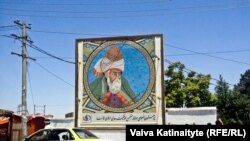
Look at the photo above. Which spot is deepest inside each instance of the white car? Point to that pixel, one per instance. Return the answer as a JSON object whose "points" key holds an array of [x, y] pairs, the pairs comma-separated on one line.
{"points": [[61, 134]]}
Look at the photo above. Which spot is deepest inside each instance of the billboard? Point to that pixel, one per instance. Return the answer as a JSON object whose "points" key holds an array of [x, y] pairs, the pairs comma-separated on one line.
{"points": [[119, 81]]}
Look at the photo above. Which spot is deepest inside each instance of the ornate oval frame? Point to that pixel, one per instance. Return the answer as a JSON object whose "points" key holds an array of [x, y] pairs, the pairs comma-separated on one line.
{"points": [[150, 84]]}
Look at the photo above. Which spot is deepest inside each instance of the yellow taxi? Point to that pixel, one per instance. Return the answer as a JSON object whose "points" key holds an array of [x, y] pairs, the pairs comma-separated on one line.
{"points": [[61, 134]]}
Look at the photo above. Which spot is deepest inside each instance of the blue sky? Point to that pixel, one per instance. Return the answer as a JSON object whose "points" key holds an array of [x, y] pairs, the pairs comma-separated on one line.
{"points": [[217, 28]]}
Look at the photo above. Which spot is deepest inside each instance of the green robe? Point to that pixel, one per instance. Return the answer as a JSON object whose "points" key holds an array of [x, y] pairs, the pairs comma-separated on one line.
{"points": [[99, 89]]}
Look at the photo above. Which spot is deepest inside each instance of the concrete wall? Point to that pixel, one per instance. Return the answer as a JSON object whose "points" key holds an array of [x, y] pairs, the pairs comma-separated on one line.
{"points": [[197, 115], [114, 135], [68, 122], [176, 116]]}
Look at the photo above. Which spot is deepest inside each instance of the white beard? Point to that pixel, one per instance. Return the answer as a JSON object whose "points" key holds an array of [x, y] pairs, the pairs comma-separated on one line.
{"points": [[115, 86]]}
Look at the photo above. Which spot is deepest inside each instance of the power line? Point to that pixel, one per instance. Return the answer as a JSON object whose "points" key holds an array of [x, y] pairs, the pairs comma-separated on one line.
{"points": [[211, 77], [39, 49], [88, 4], [69, 33], [195, 52], [51, 55], [40, 57], [53, 74], [186, 70], [6, 29], [30, 85], [77, 33], [7, 36], [218, 52], [213, 8], [61, 105], [86, 12], [77, 17], [8, 26], [189, 70], [169, 45], [123, 3], [110, 16]]}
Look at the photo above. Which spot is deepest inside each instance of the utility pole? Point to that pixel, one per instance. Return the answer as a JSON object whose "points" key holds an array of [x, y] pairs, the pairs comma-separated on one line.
{"points": [[44, 110], [34, 109], [24, 39], [19, 109], [24, 70], [37, 106]]}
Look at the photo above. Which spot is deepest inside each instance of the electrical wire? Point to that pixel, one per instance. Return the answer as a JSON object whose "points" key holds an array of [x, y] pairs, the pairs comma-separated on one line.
{"points": [[218, 52], [205, 54], [186, 70], [78, 17], [8, 26], [6, 29], [51, 55], [7, 36], [189, 70], [40, 50], [31, 91], [69, 33], [88, 4], [169, 45], [84, 12], [243, 4], [41, 57], [61, 105], [238, 3], [53, 74]]}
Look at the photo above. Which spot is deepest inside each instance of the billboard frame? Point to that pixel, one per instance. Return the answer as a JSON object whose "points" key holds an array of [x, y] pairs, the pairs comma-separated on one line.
{"points": [[158, 56]]}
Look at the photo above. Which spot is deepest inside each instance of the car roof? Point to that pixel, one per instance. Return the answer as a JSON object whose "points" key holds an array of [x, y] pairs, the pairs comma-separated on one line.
{"points": [[56, 128], [64, 128]]}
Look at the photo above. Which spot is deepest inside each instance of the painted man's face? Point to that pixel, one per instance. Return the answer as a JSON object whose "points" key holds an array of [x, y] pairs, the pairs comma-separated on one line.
{"points": [[114, 74]]}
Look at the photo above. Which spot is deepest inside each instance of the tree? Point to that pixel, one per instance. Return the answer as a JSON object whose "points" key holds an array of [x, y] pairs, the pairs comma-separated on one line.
{"points": [[243, 97], [233, 107], [225, 96], [244, 84], [174, 91], [196, 88], [187, 91]]}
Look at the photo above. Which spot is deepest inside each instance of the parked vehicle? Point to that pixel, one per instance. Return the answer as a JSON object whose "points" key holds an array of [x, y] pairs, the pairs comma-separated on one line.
{"points": [[60, 134]]}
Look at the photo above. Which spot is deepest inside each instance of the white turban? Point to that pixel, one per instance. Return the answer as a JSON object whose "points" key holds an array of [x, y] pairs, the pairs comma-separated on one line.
{"points": [[104, 64]]}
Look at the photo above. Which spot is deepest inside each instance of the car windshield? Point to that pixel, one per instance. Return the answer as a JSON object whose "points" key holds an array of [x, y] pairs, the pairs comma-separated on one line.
{"points": [[84, 134]]}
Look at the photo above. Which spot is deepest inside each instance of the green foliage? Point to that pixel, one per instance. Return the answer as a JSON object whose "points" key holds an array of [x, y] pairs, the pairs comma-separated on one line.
{"points": [[233, 106], [225, 96], [187, 91], [244, 84]]}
